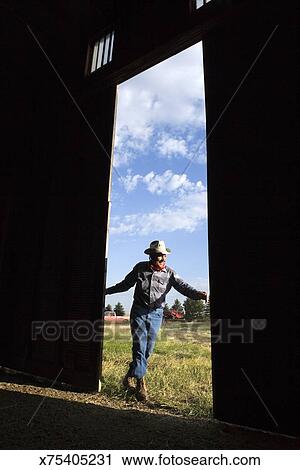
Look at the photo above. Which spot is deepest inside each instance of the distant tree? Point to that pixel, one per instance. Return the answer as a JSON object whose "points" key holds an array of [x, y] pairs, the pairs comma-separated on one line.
{"points": [[119, 310], [166, 308], [166, 313], [177, 306], [193, 309], [108, 308], [206, 310]]}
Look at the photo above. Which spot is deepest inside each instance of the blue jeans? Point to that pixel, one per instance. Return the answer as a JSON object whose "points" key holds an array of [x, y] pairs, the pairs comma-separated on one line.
{"points": [[144, 324]]}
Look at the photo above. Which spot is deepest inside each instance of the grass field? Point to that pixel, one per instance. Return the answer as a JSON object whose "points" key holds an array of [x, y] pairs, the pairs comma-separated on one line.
{"points": [[179, 373]]}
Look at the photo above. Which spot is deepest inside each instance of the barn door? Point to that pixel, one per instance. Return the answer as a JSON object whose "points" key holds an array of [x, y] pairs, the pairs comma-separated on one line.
{"points": [[54, 207], [72, 274]]}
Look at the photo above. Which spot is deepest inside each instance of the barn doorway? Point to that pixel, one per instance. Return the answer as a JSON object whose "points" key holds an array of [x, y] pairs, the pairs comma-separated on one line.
{"points": [[158, 191]]}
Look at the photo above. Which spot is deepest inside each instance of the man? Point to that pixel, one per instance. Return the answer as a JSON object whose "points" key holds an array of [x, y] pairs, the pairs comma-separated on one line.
{"points": [[153, 281]]}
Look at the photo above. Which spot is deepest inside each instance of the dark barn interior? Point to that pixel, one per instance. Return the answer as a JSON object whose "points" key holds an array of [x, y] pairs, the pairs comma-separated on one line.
{"points": [[57, 123]]}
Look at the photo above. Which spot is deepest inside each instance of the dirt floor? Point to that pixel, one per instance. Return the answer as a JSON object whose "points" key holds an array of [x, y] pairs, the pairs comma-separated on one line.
{"points": [[38, 417]]}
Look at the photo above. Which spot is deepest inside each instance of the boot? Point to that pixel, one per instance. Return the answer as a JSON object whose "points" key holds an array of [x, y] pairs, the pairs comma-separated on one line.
{"points": [[141, 390], [128, 381]]}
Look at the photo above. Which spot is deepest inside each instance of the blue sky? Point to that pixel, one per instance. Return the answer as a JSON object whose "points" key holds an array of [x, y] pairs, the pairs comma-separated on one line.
{"points": [[160, 126]]}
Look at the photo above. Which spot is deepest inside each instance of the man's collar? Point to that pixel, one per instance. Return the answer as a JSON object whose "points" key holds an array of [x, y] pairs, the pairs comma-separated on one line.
{"points": [[164, 270]]}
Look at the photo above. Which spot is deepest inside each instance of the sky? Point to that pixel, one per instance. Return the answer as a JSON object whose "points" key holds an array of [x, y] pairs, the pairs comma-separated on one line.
{"points": [[159, 176]]}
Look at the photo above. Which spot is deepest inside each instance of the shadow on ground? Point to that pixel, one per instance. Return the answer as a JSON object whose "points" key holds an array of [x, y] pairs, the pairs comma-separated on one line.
{"points": [[68, 420]]}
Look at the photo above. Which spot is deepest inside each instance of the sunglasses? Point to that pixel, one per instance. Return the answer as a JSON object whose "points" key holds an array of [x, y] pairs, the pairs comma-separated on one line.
{"points": [[159, 257]]}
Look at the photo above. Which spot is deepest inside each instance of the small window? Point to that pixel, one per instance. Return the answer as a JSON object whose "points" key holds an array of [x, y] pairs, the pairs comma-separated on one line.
{"points": [[102, 51], [200, 3]]}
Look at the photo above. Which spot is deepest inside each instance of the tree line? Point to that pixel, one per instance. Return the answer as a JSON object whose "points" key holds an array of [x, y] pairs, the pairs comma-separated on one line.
{"points": [[118, 309], [190, 309]]}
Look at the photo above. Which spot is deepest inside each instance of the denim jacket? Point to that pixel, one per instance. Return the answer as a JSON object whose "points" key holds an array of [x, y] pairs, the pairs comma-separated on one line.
{"points": [[152, 286]]}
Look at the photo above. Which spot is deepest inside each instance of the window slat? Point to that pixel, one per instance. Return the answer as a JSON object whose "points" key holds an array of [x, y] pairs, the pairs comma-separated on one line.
{"points": [[200, 3], [106, 49], [100, 54], [111, 46], [95, 54]]}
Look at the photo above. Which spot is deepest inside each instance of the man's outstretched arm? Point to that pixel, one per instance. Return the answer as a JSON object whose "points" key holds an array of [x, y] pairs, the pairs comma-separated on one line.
{"points": [[185, 289], [124, 285]]}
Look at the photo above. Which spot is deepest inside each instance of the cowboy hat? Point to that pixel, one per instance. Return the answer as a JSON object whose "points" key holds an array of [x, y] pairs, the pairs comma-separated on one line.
{"points": [[157, 246]]}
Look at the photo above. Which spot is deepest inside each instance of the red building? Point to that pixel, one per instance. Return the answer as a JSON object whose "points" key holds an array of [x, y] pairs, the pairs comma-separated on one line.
{"points": [[173, 315]]}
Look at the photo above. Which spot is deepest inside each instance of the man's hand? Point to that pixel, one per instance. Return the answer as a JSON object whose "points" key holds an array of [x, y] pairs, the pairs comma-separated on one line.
{"points": [[202, 295]]}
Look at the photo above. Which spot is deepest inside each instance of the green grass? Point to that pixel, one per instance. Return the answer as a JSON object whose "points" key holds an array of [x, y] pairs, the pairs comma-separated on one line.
{"points": [[179, 372]]}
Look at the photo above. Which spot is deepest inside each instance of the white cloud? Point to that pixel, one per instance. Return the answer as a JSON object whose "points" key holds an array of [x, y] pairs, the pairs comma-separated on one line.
{"points": [[130, 182], [157, 98], [169, 146], [168, 182], [164, 183], [130, 141], [186, 213]]}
